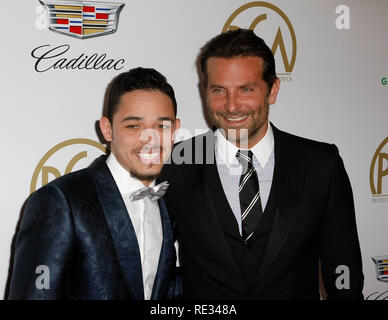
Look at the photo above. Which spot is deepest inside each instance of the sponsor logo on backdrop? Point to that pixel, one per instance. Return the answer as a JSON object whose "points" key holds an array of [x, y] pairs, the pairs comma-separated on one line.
{"points": [[55, 58], [384, 81], [377, 296], [378, 174], [272, 24], [381, 263], [381, 267], [65, 157], [82, 19]]}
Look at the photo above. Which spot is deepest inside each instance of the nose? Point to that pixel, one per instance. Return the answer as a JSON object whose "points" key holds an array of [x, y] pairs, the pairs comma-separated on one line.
{"points": [[231, 105], [150, 137]]}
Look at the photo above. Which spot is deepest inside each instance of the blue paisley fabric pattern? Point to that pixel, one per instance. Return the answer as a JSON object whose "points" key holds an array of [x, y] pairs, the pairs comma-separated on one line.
{"points": [[79, 228]]}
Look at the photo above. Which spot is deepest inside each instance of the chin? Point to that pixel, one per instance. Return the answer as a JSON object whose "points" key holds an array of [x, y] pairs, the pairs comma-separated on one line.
{"points": [[150, 170], [145, 175], [235, 134]]}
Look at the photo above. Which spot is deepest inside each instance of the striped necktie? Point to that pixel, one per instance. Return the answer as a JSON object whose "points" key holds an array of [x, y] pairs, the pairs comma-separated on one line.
{"points": [[249, 193]]}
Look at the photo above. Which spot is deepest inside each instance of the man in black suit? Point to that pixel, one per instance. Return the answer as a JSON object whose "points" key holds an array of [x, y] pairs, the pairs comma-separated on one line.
{"points": [[257, 208], [104, 232]]}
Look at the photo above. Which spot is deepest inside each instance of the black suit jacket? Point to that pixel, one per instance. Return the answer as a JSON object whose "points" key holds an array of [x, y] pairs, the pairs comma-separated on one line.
{"points": [[314, 220], [78, 226]]}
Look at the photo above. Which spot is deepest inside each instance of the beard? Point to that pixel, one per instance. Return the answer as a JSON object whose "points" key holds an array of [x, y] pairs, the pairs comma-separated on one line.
{"points": [[143, 177], [242, 136], [135, 172]]}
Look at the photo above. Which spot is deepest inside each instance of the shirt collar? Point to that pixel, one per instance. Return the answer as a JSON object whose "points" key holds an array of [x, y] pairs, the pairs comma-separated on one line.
{"points": [[124, 181], [261, 150]]}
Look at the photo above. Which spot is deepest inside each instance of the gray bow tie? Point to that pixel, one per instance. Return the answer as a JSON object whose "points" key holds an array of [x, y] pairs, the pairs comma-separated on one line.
{"points": [[154, 193]]}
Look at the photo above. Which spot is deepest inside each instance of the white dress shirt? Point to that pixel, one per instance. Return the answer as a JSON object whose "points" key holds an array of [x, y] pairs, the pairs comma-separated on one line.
{"points": [[229, 169], [145, 217]]}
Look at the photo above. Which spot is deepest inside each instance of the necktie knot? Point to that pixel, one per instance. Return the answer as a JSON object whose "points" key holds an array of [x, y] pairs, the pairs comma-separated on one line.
{"points": [[154, 193], [245, 157]]}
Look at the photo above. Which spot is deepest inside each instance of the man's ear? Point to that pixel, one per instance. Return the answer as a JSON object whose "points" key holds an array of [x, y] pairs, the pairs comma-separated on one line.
{"points": [[274, 91], [176, 128], [106, 128], [177, 124]]}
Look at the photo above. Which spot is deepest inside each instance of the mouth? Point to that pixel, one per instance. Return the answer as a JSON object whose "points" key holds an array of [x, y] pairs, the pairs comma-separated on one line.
{"points": [[235, 120], [149, 158]]}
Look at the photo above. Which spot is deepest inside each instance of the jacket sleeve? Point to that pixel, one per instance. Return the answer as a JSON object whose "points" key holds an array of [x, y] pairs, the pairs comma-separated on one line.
{"points": [[340, 253], [177, 286], [43, 247]]}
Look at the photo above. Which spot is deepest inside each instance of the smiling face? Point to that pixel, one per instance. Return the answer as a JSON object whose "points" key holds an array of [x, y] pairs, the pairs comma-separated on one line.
{"points": [[238, 99], [142, 132]]}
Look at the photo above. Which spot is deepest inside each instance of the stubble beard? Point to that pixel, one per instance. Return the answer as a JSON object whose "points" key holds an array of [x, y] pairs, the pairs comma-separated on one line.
{"points": [[132, 168], [242, 136], [134, 172], [142, 177]]}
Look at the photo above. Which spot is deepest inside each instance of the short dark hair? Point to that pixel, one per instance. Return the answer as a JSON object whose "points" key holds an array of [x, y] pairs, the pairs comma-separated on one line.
{"points": [[239, 43], [136, 79]]}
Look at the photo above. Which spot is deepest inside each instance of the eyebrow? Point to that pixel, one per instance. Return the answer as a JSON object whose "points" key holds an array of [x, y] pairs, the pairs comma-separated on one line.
{"points": [[215, 86], [166, 119], [134, 118], [248, 84], [240, 86], [131, 118]]}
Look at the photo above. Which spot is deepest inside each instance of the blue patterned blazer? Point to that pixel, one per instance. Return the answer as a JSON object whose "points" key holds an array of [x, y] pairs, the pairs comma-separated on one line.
{"points": [[78, 226]]}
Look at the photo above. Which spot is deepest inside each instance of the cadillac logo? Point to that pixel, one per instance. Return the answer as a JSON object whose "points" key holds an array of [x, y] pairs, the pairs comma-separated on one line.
{"points": [[82, 19], [381, 267]]}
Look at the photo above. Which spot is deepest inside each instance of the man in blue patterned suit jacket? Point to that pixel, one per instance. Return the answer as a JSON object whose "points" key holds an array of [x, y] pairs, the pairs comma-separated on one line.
{"points": [[104, 232]]}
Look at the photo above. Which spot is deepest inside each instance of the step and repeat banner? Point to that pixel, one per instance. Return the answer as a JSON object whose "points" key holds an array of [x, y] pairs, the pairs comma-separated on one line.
{"points": [[57, 58]]}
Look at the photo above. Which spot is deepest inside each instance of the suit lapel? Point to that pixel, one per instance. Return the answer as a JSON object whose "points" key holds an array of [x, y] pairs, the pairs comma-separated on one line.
{"points": [[167, 256], [289, 182], [219, 216], [120, 225]]}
